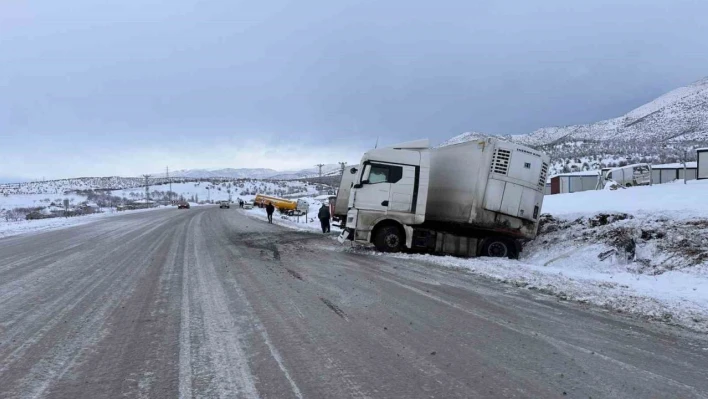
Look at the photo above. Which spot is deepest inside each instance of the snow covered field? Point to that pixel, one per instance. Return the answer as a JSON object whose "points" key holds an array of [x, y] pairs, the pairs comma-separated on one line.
{"points": [[672, 199], [8, 229], [202, 191], [190, 191], [35, 200]]}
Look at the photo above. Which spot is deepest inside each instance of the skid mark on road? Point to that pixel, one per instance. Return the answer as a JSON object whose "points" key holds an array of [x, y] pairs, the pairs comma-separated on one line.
{"points": [[294, 273], [334, 308]]}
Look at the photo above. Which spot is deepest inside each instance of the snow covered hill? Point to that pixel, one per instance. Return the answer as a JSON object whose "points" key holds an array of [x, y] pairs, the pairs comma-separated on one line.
{"points": [[79, 183], [679, 115], [195, 176], [243, 173], [327, 170], [656, 132], [196, 191], [251, 173]]}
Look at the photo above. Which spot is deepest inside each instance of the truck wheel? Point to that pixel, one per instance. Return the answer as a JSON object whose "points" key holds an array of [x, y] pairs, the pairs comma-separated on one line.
{"points": [[628, 185], [497, 248], [388, 239]]}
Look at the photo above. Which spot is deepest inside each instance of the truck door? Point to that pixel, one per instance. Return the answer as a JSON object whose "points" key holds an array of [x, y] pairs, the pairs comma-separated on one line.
{"points": [[387, 187], [373, 191], [403, 186]]}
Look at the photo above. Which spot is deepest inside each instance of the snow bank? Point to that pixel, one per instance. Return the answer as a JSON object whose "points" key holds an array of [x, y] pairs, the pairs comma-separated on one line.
{"points": [[676, 200], [642, 250]]}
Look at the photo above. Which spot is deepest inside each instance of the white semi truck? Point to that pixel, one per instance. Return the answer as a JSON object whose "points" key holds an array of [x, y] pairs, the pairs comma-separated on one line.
{"points": [[478, 198]]}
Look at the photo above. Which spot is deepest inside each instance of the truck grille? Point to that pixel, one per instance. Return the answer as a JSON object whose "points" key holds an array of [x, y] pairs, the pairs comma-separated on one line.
{"points": [[500, 161], [544, 174]]}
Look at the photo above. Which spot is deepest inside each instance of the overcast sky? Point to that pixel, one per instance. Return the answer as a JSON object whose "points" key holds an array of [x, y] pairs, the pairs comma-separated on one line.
{"points": [[118, 87]]}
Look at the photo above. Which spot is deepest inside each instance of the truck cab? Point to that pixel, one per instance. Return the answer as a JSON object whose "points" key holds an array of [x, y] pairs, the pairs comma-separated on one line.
{"points": [[389, 191]]}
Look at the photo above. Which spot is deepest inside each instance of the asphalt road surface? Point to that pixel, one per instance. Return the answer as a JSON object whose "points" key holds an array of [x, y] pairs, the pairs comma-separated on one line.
{"points": [[209, 303]]}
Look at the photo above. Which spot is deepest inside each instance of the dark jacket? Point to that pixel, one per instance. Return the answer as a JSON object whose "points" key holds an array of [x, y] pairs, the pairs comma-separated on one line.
{"points": [[270, 208], [324, 213]]}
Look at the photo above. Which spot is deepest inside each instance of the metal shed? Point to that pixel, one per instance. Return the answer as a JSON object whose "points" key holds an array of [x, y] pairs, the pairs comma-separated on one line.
{"points": [[669, 172], [574, 182], [702, 163]]}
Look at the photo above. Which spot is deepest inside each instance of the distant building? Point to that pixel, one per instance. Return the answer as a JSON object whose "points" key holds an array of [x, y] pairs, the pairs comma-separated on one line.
{"points": [[574, 182], [666, 173], [702, 163]]}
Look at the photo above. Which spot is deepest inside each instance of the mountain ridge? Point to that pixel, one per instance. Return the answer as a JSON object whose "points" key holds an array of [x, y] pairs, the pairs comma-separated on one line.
{"points": [[252, 173], [658, 131], [678, 115]]}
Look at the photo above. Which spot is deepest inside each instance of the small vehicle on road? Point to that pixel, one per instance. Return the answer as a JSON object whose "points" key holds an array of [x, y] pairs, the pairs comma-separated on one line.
{"points": [[224, 204], [248, 205], [183, 205]]}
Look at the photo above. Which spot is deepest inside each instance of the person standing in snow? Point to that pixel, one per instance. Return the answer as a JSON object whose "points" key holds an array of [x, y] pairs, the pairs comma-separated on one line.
{"points": [[269, 210], [324, 216]]}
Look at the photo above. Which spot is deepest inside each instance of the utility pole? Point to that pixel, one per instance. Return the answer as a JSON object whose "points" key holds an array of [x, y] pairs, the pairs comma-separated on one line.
{"points": [[169, 194], [685, 155], [320, 165], [342, 165], [147, 189]]}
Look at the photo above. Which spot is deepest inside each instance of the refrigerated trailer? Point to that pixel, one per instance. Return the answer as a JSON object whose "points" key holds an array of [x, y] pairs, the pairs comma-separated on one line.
{"points": [[475, 198]]}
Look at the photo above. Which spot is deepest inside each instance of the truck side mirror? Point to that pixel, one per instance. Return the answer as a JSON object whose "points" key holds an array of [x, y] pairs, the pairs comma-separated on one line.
{"points": [[353, 170]]}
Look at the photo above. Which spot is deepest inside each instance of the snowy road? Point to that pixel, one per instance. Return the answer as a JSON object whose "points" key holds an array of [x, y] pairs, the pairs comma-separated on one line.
{"points": [[210, 303]]}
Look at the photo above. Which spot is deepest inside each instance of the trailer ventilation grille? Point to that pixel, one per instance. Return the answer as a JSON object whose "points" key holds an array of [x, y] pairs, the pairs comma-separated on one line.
{"points": [[500, 162], [544, 174]]}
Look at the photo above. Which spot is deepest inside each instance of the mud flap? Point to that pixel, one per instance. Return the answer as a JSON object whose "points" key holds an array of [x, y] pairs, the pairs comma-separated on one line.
{"points": [[409, 236], [343, 236]]}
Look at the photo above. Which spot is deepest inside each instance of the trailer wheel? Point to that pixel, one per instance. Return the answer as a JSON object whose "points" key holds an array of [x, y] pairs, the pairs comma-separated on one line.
{"points": [[498, 248], [628, 185], [388, 239]]}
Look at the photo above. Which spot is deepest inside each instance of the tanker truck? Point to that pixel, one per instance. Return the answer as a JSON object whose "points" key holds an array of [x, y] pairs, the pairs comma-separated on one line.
{"points": [[478, 198], [289, 207]]}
